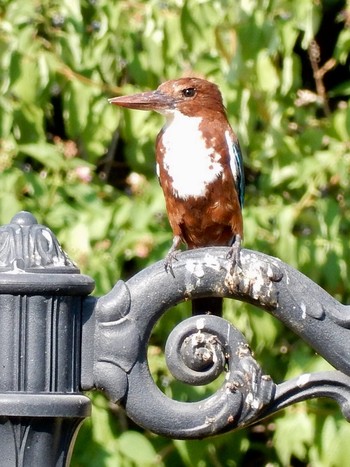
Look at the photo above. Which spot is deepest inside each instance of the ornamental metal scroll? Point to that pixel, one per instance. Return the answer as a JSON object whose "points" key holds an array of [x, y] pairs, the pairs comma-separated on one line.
{"points": [[202, 347]]}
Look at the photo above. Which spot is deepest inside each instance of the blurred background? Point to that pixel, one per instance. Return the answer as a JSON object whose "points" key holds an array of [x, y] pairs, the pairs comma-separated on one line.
{"points": [[87, 170]]}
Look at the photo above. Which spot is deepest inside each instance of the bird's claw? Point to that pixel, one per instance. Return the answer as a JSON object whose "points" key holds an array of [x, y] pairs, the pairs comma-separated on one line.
{"points": [[168, 262], [234, 254], [171, 256]]}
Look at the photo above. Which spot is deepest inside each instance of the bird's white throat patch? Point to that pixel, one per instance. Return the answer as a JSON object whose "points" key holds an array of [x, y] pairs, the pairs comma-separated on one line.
{"points": [[189, 162]]}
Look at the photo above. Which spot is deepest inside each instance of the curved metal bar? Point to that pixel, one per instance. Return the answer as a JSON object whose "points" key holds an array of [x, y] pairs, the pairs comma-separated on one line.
{"points": [[244, 392], [262, 280], [207, 345], [332, 384]]}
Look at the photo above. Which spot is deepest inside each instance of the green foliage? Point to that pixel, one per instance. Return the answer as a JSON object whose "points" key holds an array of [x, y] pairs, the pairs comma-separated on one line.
{"points": [[87, 170]]}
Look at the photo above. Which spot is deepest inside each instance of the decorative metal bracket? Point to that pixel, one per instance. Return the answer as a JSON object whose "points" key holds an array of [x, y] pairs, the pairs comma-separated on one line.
{"points": [[202, 347], [56, 340]]}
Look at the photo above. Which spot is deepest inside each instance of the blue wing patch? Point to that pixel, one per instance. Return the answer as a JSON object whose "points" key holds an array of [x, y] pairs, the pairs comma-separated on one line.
{"points": [[236, 164], [239, 179]]}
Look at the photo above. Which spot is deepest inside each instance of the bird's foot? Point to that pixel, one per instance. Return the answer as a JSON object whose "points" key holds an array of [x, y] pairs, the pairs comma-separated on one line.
{"points": [[234, 253], [168, 262], [171, 256]]}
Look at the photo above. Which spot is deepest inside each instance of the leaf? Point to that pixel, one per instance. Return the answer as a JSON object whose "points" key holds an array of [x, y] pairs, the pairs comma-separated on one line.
{"points": [[341, 119], [9, 203], [137, 448], [294, 433], [343, 46], [45, 153], [307, 17], [79, 242], [28, 123], [268, 79], [77, 102]]}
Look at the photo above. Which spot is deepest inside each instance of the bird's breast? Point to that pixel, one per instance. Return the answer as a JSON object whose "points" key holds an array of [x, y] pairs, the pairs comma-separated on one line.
{"points": [[190, 162]]}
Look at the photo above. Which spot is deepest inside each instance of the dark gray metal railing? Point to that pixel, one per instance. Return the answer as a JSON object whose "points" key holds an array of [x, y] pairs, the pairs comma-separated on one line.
{"points": [[56, 341]]}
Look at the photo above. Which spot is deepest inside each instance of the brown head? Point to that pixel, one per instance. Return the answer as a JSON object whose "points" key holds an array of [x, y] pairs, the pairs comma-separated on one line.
{"points": [[190, 96]]}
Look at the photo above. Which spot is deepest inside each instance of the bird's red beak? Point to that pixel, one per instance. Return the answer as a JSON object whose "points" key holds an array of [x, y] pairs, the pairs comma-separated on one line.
{"points": [[153, 100]]}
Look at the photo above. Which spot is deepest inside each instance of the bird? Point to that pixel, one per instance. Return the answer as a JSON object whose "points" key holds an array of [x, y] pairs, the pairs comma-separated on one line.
{"points": [[200, 169]]}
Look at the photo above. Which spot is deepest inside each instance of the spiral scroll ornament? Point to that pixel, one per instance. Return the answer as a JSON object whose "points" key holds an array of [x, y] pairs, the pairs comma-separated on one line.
{"points": [[199, 349]]}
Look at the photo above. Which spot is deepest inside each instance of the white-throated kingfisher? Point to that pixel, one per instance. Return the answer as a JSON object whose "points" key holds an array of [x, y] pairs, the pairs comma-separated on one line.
{"points": [[199, 165]]}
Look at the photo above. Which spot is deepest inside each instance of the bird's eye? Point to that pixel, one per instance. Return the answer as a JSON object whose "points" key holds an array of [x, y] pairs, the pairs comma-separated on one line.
{"points": [[188, 92]]}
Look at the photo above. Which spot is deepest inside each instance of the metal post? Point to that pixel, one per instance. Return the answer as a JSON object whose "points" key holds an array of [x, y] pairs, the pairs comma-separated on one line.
{"points": [[41, 297]]}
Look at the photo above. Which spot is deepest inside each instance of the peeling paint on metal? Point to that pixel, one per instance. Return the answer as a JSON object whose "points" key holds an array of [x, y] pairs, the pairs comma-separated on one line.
{"points": [[200, 323], [287, 277], [212, 262], [303, 380], [303, 309], [195, 268]]}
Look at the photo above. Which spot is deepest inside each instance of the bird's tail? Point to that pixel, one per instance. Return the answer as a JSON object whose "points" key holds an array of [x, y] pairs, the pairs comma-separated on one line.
{"points": [[207, 305]]}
